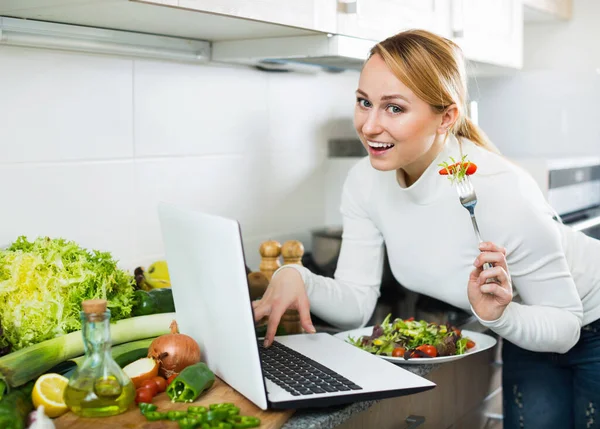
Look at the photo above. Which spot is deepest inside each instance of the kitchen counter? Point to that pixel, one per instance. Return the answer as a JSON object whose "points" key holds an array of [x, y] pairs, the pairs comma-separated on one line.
{"points": [[331, 417]]}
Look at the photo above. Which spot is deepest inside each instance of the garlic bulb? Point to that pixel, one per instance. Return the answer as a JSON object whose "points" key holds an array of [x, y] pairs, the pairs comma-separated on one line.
{"points": [[39, 420]]}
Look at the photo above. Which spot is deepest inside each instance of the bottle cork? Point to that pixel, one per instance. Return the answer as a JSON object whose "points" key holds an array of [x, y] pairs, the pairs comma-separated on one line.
{"points": [[92, 306]]}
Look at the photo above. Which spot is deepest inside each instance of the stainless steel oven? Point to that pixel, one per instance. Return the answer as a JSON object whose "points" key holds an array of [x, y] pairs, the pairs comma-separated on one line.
{"points": [[574, 192]]}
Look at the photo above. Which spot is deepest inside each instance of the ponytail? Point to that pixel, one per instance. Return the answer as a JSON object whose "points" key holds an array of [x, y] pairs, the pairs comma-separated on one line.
{"points": [[465, 128]]}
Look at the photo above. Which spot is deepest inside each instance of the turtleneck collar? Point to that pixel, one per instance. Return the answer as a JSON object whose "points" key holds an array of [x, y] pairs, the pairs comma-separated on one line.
{"points": [[429, 186]]}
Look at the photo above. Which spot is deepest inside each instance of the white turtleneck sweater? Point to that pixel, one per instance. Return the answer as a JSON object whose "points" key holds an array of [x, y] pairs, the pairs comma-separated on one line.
{"points": [[432, 246]]}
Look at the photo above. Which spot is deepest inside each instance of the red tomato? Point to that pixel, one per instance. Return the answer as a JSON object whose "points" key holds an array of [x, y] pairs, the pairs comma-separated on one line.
{"points": [[161, 383], [470, 344], [171, 378], [410, 319], [428, 350], [398, 352], [457, 331], [471, 169], [143, 395], [150, 385]]}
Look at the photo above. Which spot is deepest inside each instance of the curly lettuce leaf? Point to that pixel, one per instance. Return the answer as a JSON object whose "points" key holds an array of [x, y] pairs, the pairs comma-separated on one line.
{"points": [[43, 283]]}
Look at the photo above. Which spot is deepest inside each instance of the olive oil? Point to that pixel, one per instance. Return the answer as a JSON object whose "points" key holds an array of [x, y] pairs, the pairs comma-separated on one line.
{"points": [[98, 387]]}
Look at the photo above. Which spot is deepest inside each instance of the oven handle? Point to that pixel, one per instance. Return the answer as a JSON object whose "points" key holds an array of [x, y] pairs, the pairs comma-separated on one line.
{"points": [[586, 224]]}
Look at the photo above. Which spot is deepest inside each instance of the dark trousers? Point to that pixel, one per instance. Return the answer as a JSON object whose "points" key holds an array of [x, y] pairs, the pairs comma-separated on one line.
{"points": [[551, 390]]}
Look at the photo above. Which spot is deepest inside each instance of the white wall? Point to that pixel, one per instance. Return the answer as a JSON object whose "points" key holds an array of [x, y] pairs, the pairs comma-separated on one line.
{"points": [[89, 145], [551, 107]]}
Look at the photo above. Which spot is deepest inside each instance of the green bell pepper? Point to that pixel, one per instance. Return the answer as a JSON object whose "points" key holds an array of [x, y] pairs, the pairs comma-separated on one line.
{"points": [[190, 383], [154, 302], [15, 407]]}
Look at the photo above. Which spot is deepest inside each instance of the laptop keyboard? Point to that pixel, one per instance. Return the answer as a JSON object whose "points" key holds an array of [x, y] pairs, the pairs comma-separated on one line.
{"points": [[298, 374]]}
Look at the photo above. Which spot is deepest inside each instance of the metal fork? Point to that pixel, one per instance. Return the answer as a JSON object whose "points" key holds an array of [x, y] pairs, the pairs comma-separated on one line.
{"points": [[468, 199]]}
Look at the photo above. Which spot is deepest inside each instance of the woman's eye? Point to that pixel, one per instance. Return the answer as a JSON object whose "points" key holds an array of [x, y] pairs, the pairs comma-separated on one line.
{"points": [[395, 109], [363, 102]]}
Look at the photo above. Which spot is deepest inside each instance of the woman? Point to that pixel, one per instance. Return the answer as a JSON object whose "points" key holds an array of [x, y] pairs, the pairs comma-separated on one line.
{"points": [[410, 115]]}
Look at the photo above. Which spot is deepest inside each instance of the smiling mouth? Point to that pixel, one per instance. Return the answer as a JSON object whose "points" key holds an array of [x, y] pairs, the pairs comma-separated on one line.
{"points": [[379, 147]]}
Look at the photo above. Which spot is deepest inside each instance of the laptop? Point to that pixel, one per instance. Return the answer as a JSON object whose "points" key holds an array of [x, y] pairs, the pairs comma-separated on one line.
{"points": [[212, 300]]}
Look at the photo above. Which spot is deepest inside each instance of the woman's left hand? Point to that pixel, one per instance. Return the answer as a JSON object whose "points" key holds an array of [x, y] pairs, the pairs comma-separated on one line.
{"points": [[490, 299]]}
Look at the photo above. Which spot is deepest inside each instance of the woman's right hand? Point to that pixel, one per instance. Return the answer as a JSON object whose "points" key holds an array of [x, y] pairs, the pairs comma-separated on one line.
{"points": [[285, 291]]}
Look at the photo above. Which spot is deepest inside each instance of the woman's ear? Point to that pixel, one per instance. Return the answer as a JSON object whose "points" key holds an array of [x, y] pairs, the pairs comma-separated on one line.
{"points": [[449, 117]]}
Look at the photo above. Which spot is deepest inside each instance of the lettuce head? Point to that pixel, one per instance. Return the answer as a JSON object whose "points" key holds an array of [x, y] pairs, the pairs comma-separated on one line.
{"points": [[43, 283]]}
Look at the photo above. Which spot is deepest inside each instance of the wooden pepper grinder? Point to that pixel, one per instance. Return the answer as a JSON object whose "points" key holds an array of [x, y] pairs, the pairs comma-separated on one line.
{"points": [[292, 251], [270, 251]]}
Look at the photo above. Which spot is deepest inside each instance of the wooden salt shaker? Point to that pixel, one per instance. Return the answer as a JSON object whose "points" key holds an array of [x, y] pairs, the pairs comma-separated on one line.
{"points": [[270, 251], [292, 252]]}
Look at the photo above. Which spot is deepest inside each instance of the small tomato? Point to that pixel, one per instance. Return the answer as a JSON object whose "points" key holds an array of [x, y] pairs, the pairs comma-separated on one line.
{"points": [[161, 383], [429, 350], [398, 352], [150, 385], [143, 395]]}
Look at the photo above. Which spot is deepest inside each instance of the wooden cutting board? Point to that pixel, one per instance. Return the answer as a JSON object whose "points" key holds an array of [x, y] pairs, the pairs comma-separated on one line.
{"points": [[133, 419]]}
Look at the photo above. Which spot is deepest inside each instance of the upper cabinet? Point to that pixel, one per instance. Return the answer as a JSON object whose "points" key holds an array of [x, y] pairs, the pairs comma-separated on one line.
{"points": [[336, 31], [318, 15], [379, 19], [489, 31], [548, 10]]}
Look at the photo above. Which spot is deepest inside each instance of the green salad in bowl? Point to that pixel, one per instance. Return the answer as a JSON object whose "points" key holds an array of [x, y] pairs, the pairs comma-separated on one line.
{"points": [[409, 338]]}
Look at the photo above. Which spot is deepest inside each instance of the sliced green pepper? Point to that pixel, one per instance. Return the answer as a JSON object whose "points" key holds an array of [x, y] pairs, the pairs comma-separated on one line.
{"points": [[154, 416], [197, 409], [201, 417], [176, 415], [221, 406], [222, 425], [188, 423], [243, 422], [216, 415], [145, 407], [190, 383]]}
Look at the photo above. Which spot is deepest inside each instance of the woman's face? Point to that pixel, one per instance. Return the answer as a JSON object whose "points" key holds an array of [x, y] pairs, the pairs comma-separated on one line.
{"points": [[397, 128]]}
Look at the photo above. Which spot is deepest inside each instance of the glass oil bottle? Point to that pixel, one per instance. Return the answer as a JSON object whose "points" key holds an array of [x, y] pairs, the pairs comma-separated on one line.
{"points": [[98, 387]]}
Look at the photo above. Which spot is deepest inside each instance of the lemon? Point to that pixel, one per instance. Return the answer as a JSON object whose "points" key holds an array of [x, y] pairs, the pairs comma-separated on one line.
{"points": [[48, 391]]}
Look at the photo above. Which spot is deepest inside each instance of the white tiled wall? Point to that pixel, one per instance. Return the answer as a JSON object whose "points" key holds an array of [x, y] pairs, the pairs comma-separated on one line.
{"points": [[550, 109], [90, 144]]}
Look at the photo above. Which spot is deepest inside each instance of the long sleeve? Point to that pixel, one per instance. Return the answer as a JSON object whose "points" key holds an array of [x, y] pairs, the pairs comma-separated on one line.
{"points": [[550, 316], [348, 300]]}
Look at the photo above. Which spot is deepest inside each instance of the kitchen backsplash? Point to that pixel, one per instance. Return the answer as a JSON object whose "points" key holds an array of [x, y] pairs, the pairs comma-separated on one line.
{"points": [[550, 108], [90, 144]]}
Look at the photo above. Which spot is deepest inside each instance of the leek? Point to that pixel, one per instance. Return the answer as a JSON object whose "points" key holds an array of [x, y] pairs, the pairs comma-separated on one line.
{"points": [[19, 367]]}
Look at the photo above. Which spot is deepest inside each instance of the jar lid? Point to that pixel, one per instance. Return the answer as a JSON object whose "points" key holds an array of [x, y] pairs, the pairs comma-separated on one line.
{"points": [[94, 306]]}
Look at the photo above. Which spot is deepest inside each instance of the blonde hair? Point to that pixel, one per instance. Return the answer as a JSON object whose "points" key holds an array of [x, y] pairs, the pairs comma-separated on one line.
{"points": [[433, 67]]}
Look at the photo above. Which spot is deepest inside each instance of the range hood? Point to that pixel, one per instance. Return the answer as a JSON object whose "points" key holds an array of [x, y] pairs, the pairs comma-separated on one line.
{"points": [[327, 51]]}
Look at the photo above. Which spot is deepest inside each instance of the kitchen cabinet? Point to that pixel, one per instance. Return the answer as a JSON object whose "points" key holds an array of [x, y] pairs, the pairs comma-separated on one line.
{"points": [[209, 20], [547, 10], [489, 31], [318, 15], [379, 19]]}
